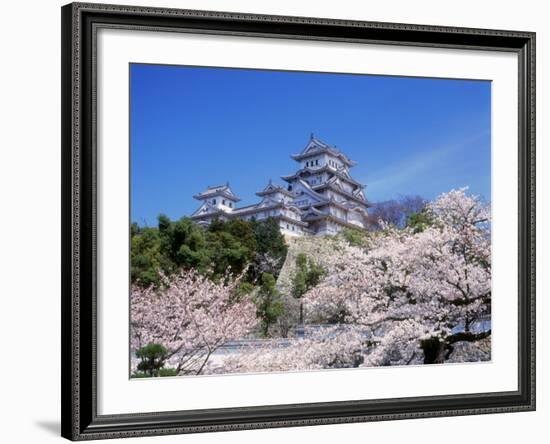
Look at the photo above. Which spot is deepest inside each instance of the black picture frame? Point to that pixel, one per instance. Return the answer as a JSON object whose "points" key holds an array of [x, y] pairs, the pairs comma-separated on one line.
{"points": [[79, 205]]}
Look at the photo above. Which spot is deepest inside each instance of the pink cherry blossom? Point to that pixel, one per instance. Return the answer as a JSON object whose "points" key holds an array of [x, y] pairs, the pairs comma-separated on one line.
{"points": [[407, 286], [379, 303], [191, 317]]}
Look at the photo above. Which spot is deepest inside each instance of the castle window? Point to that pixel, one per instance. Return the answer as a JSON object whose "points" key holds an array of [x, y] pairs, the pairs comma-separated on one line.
{"points": [[214, 201], [223, 201], [230, 204], [316, 161]]}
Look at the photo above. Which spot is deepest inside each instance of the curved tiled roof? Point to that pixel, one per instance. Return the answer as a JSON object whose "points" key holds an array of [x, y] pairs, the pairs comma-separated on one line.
{"points": [[316, 146], [217, 190]]}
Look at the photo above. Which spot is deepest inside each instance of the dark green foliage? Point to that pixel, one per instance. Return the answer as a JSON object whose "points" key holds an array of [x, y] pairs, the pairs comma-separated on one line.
{"points": [[153, 357], [223, 247], [419, 221], [269, 238], [307, 275], [244, 289], [299, 286], [244, 232], [183, 243], [268, 303], [168, 372], [271, 249], [230, 246], [146, 256], [354, 237]]}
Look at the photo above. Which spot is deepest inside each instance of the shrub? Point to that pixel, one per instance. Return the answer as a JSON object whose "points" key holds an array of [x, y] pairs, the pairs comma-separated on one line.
{"points": [[153, 357]]}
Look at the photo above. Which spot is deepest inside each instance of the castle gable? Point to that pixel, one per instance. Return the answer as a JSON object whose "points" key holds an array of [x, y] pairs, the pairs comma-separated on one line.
{"points": [[207, 212], [268, 202], [304, 195]]}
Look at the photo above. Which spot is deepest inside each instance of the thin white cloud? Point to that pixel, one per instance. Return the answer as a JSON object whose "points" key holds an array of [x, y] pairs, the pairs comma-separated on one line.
{"points": [[415, 167]]}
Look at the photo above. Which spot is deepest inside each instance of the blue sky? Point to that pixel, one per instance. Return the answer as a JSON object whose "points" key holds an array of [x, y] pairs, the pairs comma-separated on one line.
{"points": [[193, 127]]}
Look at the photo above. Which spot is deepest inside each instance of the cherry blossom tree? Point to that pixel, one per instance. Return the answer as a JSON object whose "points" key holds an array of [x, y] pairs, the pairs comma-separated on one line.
{"points": [[416, 293], [191, 316], [404, 296], [338, 346]]}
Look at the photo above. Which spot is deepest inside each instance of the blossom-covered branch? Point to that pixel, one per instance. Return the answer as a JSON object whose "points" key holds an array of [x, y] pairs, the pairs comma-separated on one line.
{"points": [[191, 316], [407, 287]]}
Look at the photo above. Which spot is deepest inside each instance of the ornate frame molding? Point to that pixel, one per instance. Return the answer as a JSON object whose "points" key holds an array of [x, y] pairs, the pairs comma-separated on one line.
{"points": [[80, 22]]}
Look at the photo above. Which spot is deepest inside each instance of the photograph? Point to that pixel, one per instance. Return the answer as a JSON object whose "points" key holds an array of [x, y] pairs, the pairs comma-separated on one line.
{"points": [[285, 221]]}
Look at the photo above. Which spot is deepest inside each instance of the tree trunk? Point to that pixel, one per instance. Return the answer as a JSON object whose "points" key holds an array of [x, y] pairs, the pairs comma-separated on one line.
{"points": [[437, 351], [434, 351]]}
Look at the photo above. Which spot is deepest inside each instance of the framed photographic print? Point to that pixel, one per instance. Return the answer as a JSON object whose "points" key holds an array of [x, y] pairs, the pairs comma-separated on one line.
{"points": [[278, 221]]}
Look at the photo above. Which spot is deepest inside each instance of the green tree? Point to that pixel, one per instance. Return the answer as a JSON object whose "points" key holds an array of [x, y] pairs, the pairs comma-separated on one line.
{"points": [[223, 247], [244, 232], [419, 221], [244, 289], [268, 303], [354, 237], [269, 237], [307, 275], [183, 242], [230, 246], [271, 249], [152, 359], [146, 256]]}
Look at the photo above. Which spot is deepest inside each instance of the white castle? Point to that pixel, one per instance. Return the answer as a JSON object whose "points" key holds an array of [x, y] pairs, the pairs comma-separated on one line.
{"points": [[320, 198]]}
